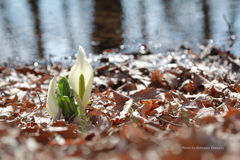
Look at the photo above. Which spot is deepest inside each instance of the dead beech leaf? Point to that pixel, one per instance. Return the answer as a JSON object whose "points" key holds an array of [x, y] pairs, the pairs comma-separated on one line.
{"points": [[238, 87], [67, 131], [195, 104], [153, 110], [212, 91], [71, 132], [26, 70], [199, 80], [13, 121], [14, 91], [2, 68], [116, 121], [188, 86], [189, 113], [142, 110], [105, 144], [59, 123], [38, 133], [46, 77], [103, 99], [171, 79], [136, 136], [29, 104], [222, 108], [126, 108], [129, 86], [3, 83], [102, 70], [233, 113], [150, 128], [2, 101], [120, 100], [166, 120], [94, 113], [220, 87], [103, 123], [6, 112], [40, 120], [205, 112], [207, 101], [12, 99], [207, 120], [157, 80], [149, 93]]}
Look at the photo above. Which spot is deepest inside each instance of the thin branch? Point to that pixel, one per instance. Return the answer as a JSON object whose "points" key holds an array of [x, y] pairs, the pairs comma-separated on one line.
{"points": [[178, 125], [71, 117], [231, 34], [40, 114], [229, 25]]}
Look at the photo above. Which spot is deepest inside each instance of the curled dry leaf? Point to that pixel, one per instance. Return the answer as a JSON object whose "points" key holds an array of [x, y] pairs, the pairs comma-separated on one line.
{"points": [[6, 112]]}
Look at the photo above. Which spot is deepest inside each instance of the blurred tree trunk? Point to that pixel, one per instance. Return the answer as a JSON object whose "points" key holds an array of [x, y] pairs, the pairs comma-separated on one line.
{"points": [[107, 31]]}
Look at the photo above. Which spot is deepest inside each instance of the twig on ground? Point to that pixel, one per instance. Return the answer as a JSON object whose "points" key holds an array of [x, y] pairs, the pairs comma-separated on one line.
{"points": [[71, 117], [178, 125], [40, 114]]}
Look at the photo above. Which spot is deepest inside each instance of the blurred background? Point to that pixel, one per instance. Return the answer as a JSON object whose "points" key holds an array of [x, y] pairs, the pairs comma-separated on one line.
{"points": [[37, 29]]}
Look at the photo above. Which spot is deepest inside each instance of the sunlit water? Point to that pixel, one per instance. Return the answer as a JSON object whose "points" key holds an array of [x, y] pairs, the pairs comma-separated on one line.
{"points": [[36, 29]]}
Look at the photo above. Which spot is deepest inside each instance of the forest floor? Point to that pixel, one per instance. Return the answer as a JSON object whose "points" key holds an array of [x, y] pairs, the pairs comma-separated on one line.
{"points": [[174, 105]]}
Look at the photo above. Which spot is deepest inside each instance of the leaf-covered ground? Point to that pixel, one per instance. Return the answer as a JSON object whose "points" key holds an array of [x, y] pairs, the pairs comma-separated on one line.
{"points": [[174, 105]]}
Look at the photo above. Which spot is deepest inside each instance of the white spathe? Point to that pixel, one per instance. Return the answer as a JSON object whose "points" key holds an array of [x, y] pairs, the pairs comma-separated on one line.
{"points": [[52, 106], [81, 66]]}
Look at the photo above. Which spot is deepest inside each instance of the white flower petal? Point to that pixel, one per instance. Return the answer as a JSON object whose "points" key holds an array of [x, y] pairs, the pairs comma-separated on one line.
{"points": [[52, 106], [79, 101], [86, 95], [81, 66], [88, 90]]}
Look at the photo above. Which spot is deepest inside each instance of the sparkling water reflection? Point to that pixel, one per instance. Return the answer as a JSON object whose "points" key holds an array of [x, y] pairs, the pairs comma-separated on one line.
{"points": [[33, 29]]}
